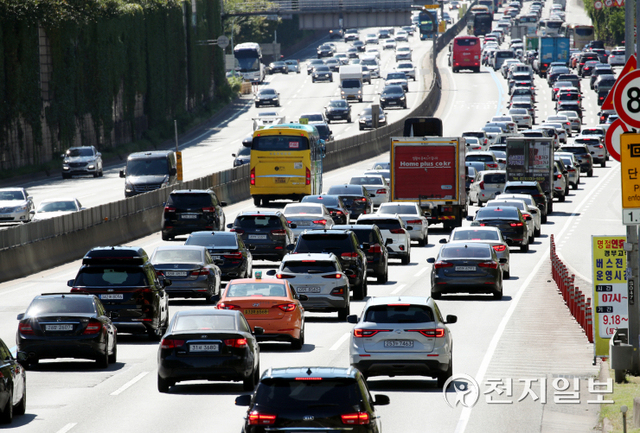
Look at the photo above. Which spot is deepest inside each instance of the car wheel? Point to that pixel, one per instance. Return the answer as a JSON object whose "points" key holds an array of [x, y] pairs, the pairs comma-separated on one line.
{"points": [[21, 407], [524, 248], [257, 105], [603, 163], [256, 201], [590, 173], [382, 279], [361, 128], [313, 80], [298, 342], [349, 119], [344, 312], [506, 274], [358, 292], [497, 295], [166, 237], [531, 238], [536, 232], [575, 186], [566, 190], [66, 176], [406, 259], [562, 198], [249, 383], [421, 242], [96, 174], [7, 414], [443, 377], [436, 295], [544, 219], [114, 355], [102, 360], [163, 384], [154, 334], [212, 298], [101, 173]]}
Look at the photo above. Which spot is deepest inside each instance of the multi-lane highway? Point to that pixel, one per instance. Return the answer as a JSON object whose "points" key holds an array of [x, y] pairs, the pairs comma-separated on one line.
{"points": [[527, 335]]}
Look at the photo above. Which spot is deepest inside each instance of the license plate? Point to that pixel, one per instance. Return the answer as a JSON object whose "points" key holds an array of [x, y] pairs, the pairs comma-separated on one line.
{"points": [[398, 343], [118, 296], [304, 223], [216, 257], [58, 327], [392, 102], [175, 274], [204, 348], [308, 289], [256, 311], [281, 180], [257, 236], [189, 216], [465, 268]]}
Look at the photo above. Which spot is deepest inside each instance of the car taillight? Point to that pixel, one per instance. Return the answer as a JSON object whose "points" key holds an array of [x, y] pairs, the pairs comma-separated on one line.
{"points": [[226, 306], [234, 256], [335, 276], [169, 209], [490, 265], [235, 342], [481, 184], [499, 248], [357, 418], [308, 178], [323, 222], [208, 209], [171, 343], [492, 165], [439, 265], [256, 418], [287, 308], [600, 146], [361, 333], [284, 276], [349, 256], [360, 199], [252, 176], [381, 191], [25, 329], [397, 231], [558, 176], [375, 249], [201, 271], [236, 230], [431, 333], [93, 327], [414, 222], [338, 291], [516, 224]]}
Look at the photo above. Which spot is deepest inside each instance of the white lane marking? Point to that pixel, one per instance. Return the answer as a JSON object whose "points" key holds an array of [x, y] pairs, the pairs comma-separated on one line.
{"points": [[68, 427], [400, 287], [340, 341], [422, 271], [124, 387], [500, 91]]}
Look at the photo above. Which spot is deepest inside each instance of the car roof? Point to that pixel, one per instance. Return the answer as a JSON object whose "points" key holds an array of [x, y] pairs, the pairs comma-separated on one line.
{"points": [[386, 300], [259, 212], [192, 191], [310, 372], [309, 256]]}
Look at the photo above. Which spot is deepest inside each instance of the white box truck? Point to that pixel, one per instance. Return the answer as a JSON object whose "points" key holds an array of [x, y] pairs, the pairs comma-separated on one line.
{"points": [[351, 85]]}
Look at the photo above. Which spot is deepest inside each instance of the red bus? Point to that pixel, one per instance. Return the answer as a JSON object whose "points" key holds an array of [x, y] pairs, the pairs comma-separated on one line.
{"points": [[466, 53]]}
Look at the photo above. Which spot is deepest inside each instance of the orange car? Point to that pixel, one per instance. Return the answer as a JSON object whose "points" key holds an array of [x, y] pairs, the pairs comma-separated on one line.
{"points": [[270, 304]]}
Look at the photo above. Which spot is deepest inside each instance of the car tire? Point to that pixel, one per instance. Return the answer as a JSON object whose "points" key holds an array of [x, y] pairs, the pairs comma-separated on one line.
{"points": [[531, 238], [543, 220], [163, 384], [603, 163], [406, 259], [66, 176], [590, 173], [524, 248], [358, 291], [506, 274], [102, 360], [422, 242], [114, 355], [497, 295], [250, 383], [101, 173], [166, 237], [444, 376], [349, 119], [96, 174], [7, 414], [562, 197], [297, 343], [344, 312], [566, 190], [536, 232], [382, 279], [256, 201], [361, 128], [21, 407], [575, 186], [313, 80]]}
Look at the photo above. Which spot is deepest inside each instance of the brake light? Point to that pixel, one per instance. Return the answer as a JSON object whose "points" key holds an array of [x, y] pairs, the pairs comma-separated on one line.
{"points": [[360, 199], [490, 265], [169, 209], [287, 308], [284, 276], [415, 222], [600, 146], [170, 343], [397, 231], [308, 178], [499, 248], [256, 418], [358, 418], [381, 191], [239, 231], [558, 176], [226, 306], [235, 256], [349, 256], [375, 249], [93, 327], [25, 329], [235, 342], [439, 265], [492, 165], [201, 271], [431, 333], [338, 292], [360, 333], [252, 176], [481, 184], [208, 209], [335, 276], [516, 224], [323, 222]]}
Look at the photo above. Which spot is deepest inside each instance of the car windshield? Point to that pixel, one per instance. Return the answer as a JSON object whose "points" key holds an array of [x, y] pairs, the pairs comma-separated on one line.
{"points": [[193, 322], [396, 76], [309, 267], [80, 151], [322, 68], [213, 241], [148, 167], [177, 255], [398, 314], [61, 305], [339, 104], [11, 195], [280, 394], [480, 235], [106, 277], [267, 92], [57, 206], [255, 289]]}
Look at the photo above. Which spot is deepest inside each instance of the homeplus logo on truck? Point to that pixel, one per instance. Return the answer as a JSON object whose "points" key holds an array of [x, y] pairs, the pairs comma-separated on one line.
{"points": [[425, 164]]}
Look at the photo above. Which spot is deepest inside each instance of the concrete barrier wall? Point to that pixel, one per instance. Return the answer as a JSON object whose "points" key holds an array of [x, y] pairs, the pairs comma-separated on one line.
{"points": [[29, 248]]}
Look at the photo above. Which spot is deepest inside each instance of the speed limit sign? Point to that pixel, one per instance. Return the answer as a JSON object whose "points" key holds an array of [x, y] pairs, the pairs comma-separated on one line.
{"points": [[597, 5], [626, 99]]}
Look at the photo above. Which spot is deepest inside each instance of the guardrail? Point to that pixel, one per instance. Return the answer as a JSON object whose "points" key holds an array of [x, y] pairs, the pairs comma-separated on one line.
{"points": [[30, 248]]}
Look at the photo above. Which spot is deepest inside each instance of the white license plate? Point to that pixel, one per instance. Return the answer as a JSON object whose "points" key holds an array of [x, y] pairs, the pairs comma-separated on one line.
{"points": [[204, 348], [216, 257], [189, 216], [308, 289], [118, 296], [175, 274], [58, 327], [465, 268], [304, 223], [257, 236], [398, 343]]}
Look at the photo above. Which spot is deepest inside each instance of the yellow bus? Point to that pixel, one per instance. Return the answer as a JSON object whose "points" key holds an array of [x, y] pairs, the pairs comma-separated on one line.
{"points": [[286, 163]]}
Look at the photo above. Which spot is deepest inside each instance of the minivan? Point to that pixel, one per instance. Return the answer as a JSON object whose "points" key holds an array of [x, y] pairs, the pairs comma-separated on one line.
{"points": [[148, 171]]}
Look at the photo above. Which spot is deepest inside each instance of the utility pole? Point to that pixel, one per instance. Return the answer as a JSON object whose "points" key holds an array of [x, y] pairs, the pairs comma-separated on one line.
{"points": [[632, 235], [628, 28]]}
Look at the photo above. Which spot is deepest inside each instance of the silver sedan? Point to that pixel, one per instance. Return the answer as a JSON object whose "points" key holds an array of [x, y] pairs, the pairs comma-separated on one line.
{"points": [[15, 205], [412, 216]]}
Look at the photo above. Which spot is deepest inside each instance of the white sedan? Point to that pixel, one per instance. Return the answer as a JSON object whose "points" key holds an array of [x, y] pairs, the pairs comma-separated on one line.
{"points": [[56, 207], [408, 69]]}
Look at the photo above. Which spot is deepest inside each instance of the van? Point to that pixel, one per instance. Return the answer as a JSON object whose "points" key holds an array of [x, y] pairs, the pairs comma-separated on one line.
{"points": [[148, 171]]}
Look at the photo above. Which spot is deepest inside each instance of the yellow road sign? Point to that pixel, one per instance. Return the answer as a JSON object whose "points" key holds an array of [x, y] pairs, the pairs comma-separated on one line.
{"points": [[179, 165], [630, 170], [431, 6]]}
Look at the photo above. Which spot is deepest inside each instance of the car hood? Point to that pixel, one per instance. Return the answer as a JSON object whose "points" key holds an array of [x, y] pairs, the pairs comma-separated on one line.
{"points": [[47, 215], [263, 96], [12, 203], [139, 180], [69, 159], [397, 82]]}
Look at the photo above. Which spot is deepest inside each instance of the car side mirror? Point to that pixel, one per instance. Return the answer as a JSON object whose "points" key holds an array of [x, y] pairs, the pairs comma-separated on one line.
{"points": [[388, 241], [365, 246], [243, 400], [528, 218], [258, 330], [293, 225], [20, 316], [70, 283], [381, 400], [409, 227], [290, 247], [349, 272], [469, 218], [229, 226], [431, 260], [166, 283], [443, 241], [451, 318], [173, 172], [352, 318], [122, 173], [113, 314], [271, 272], [503, 260], [303, 298], [223, 203], [22, 356]]}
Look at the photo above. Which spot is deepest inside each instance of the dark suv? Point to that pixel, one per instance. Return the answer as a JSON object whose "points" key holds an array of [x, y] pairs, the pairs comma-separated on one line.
{"points": [[192, 210], [266, 233], [346, 246], [534, 190], [355, 197], [582, 155], [377, 253], [125, 281], [334, 204], [312, 399]]}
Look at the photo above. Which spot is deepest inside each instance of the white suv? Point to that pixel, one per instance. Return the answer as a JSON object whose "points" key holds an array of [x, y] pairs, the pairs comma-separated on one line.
{"points": [[395, 233], [319, 276], [486, 185], [412, 216], [597, 150], [400, 336]]}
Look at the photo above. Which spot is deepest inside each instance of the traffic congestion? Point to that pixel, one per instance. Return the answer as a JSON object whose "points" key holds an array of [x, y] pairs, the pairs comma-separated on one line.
{"points": [[330, 301]]}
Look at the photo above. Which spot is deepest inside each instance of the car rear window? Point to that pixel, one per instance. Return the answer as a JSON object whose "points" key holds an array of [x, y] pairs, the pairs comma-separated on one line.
{"points": [[196, 322], [366, 180], [474, 251], [482, 235], [213, 241], [309, 266], [397, 209], [111, 276], [257, 221], [255, 289], [383, 224], [58, 305], [494, 178], [177, 256], [483, 158], [398, 314], [283, 394], [517, 204], [365, 235], [323, 242], [345, 190], [311, 209], [498, 212]]}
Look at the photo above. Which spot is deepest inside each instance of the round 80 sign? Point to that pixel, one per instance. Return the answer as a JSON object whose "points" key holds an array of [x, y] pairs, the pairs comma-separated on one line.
{"points": [[626, 98]]}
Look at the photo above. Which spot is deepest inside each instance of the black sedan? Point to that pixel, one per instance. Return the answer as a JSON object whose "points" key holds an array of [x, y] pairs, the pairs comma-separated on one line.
{"points": [[338, 109], [227, 250], [267, 96], [334, 204], [321, 73], [277, 67], [67, 325], [393, 96], [325, 50], [209, 344], [355, 197], [365, 121], [466, 268], [509, 220], [13, 386]]}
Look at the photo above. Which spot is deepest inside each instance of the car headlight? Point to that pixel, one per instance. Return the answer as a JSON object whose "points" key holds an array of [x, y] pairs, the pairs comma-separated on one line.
{"points": [[382, 99], [128, 187], [65, 167], [91, 167], [403, 98]]}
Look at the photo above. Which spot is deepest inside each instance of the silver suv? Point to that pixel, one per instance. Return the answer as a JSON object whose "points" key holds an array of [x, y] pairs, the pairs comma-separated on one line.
{"points": [[319, 276], [401, 336], [81, 160]]}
